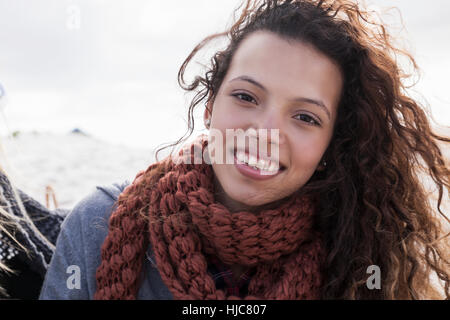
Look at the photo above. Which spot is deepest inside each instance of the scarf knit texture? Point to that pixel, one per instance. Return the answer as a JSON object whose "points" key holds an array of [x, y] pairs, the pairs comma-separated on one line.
{"points": [[48, 223], [171, 206]]}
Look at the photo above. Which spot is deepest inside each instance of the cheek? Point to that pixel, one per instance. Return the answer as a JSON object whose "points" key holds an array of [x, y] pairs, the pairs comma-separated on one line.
{"points": [[227, 118], [307, 155], [228, 114]]}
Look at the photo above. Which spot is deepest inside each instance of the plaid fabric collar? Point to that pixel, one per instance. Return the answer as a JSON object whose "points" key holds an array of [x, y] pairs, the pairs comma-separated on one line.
{"points": [[223, 277]]}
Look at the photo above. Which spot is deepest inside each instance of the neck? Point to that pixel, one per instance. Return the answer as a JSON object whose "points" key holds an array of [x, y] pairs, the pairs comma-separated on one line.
{"points": [[235, 206], [221, 197]]}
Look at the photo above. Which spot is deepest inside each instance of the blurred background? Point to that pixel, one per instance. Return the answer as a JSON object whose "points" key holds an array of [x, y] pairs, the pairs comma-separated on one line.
{"points": [[90, 86]]}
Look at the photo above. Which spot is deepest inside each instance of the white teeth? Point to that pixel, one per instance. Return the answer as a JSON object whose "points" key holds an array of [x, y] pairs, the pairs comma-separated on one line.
{"points": [[261, 164], [273, 167], [241, 156], [253, 161]]}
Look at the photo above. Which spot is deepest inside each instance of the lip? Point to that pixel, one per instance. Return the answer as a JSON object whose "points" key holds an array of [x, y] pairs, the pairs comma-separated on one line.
{"points": [[252, 173]]}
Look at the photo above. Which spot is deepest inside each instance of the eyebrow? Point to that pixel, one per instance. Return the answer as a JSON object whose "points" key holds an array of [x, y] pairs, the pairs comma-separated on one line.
{"points": [[318, 103]]}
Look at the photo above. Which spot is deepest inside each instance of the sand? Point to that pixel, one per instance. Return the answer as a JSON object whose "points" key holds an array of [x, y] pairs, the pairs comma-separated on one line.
{"points": [[72, 164]]}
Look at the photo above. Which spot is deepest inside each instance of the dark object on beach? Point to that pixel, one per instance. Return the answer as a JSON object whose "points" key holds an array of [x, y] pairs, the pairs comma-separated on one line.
{"points": [[78, 131]]}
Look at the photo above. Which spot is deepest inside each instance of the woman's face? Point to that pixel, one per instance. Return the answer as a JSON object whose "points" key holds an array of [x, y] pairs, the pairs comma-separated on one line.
{"points": [[276, 84]]}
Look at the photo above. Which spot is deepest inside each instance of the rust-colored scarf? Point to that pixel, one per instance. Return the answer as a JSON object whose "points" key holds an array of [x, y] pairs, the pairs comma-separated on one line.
{"points": [[172, 206]]}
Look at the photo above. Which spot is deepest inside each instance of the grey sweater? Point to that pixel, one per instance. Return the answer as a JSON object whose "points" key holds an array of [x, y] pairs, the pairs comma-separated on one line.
{"points": [[71, 274]]}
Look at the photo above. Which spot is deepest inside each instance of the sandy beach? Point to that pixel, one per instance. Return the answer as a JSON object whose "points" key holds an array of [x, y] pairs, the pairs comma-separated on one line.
{"points": [[71, 164]]}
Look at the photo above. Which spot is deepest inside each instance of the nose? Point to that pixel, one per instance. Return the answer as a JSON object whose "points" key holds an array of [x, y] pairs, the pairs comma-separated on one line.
{"points": [[271, 120]]}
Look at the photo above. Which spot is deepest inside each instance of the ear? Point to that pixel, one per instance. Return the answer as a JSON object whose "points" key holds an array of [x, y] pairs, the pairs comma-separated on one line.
{"points": [[207, 114], [320, 167]]}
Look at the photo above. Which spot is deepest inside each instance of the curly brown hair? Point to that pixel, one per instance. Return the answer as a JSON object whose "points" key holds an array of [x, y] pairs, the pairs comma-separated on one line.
{"points": [[374, 209]]}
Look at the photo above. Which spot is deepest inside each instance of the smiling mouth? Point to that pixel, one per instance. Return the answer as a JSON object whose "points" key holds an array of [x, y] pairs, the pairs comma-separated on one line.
{"points": [[255, 173], [273, 164]]}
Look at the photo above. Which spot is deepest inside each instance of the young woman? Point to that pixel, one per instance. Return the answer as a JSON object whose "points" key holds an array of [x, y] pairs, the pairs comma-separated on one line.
{"points": [[28, 233], [344, 197]]}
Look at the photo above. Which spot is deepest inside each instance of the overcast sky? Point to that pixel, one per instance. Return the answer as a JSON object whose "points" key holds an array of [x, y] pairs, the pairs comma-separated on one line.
{"points": [[110, 67]]}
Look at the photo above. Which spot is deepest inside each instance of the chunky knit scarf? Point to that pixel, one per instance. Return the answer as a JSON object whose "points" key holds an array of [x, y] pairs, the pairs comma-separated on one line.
{"points": [[47, 222], [172, 207]]}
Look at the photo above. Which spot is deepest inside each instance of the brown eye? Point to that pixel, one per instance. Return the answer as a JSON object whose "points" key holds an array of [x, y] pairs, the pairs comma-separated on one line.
{"points": [[243, 97], [308, 119]]}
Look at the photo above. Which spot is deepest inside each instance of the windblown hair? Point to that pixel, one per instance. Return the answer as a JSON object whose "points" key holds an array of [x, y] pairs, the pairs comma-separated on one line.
{"points": [[10, 224], [374, 209]]}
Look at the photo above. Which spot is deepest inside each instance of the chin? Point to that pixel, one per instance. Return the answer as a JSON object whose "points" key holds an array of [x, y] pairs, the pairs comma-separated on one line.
{"points": [[252, 200]]}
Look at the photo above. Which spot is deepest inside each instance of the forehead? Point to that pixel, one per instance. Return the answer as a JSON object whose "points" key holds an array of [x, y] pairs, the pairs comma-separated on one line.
{"points": [[287, 67]]}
